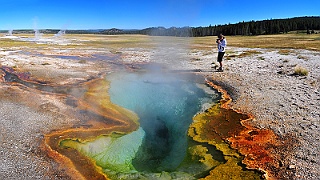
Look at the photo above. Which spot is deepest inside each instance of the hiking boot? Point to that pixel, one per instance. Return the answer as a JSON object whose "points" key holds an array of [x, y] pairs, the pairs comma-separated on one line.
{"points": [[220, 69], [214, 66]]}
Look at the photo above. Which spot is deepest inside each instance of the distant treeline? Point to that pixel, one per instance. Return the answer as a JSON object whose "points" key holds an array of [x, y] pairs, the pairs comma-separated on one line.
{"points": [[308, 24], [273, 26]]}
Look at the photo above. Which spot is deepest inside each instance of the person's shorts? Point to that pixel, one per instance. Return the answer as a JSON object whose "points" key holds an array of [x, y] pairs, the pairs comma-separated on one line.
{"points": [[220, 56]]}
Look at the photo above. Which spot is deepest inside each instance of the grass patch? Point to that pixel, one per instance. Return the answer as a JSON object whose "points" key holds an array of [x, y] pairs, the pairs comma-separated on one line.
{"points": [[249, 53], [207, 53], [283, 42], [313, 83], [284, 52], [85, 41], [114, 51], [9, 43], [230, 52], [241, 55], [82, 61], [195, 59], [300, 71], [280, 41], [302, 57], [114, 41]]}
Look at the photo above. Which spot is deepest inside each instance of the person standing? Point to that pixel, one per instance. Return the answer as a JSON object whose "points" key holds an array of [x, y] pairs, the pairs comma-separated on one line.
{"points": [[222, 43]]}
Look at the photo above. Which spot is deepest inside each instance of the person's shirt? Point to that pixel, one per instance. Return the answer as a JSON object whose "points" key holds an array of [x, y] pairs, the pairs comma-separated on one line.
{"points": [[222, 45]]}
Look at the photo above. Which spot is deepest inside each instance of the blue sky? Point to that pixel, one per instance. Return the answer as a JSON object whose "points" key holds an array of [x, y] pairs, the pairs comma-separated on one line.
{"points": [[139, 14]]}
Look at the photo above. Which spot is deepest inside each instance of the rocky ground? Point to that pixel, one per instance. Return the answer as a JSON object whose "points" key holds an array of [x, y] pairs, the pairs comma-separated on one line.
{"points": [[265, 84], [27, 114], [261, 82]]}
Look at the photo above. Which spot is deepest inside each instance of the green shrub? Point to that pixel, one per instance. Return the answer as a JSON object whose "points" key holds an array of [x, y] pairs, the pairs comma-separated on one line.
{"points": [[301, 71], [82, 61], [284, 51], [302, 57]]}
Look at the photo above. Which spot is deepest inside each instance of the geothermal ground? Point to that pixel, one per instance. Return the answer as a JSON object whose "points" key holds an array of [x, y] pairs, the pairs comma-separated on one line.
{"points": [[263, 82]]}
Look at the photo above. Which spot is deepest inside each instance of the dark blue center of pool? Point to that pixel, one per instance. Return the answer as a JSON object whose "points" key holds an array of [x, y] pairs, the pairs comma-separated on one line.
{"points": [[165, 104]]}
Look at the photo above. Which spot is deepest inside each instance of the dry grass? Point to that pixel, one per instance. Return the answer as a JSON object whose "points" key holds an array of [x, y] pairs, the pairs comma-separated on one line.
{"points": [[292, 41], [285, 51], [84, 41], [283, 41], [300, 71], [302, 57], [112, 41], [231, 55], [8, 43]]}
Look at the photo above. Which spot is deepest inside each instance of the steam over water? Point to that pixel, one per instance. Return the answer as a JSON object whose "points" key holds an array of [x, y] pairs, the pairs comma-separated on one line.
{"points": [[165, 105]]}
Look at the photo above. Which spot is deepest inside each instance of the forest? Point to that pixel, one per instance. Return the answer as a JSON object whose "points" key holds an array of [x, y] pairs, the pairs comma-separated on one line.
{"points": [[273, 26]]}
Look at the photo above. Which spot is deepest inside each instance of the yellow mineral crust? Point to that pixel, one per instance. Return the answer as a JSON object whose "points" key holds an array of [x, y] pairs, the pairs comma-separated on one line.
{"points": [[230, 132], [112, 119], [219, 126]]}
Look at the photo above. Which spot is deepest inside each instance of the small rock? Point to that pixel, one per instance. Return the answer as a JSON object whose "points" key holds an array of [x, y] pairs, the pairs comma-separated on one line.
{"points": [[292, 166]]}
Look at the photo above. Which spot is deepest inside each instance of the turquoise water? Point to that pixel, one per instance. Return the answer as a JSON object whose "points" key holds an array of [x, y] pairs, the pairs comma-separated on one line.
{"points": [[165, 104]]}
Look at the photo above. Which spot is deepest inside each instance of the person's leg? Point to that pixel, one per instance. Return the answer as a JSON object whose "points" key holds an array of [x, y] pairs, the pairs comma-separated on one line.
{"points": [[220, 56]]}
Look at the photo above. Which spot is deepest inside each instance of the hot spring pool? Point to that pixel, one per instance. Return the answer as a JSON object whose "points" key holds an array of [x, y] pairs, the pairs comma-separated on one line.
{"points": [[165, 104], [161, 147], [164, 144]]}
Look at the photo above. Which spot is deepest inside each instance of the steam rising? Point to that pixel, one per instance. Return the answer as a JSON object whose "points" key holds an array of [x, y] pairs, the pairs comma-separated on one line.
{"points": [[56, 39], [37, 34], [60, 33], [165, 104], [10, 32], [171, 51]]}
